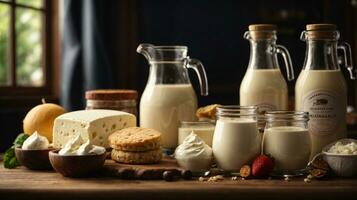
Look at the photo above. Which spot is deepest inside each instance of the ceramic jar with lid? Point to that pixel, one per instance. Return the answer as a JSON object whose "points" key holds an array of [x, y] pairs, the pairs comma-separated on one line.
{"points": [[122, 100]]}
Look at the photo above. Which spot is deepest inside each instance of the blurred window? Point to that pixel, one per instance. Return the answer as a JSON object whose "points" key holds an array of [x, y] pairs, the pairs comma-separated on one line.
{"points": [[24, 50]]}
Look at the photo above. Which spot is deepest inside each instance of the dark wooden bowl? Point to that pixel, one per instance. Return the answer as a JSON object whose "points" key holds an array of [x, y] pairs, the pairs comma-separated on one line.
{"points": [[34, 159], [76, 166]]}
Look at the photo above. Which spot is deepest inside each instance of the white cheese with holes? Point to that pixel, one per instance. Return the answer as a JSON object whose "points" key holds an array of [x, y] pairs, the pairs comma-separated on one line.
{"points": [[94, 125]]}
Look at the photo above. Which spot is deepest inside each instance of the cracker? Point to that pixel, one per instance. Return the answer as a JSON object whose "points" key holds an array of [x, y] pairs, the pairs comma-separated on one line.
{"points": [[135, 139], [207, 111], [147, 157]]}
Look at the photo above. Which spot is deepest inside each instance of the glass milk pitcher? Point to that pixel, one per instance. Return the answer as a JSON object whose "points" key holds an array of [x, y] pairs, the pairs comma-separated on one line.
{"points": [[321, 88], [263, 84], [168, 97]]}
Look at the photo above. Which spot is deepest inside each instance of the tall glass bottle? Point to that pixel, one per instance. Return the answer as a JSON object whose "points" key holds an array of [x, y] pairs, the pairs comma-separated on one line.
{"points": [[263, 84], [321, 88]]}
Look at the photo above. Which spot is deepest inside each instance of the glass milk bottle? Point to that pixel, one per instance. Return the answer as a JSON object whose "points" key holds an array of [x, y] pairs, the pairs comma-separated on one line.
{"points": [[321, 88], [263, 84], [168, 97]]}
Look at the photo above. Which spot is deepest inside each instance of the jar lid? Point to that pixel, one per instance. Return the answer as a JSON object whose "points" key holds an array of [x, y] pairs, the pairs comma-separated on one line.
{"points": [[111, 94], [321, 31], [262, 31]]}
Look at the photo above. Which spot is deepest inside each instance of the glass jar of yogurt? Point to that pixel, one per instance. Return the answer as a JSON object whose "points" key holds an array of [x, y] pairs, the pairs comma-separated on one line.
{"points": [[286, 138], [202, 129], [236, 139]]}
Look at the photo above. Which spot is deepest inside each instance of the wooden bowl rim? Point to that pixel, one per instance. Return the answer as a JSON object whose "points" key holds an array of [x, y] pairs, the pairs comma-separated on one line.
{"points": [[54, 153], [34, 150]]}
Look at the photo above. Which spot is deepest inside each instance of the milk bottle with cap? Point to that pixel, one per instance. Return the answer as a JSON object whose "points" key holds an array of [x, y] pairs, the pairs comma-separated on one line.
{"points": [[321, 88], [263, 84]]}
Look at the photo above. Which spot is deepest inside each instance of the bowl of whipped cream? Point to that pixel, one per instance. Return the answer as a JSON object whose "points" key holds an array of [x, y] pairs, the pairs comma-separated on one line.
{"points": [[342, 157], [78, 158], [34, 152]]}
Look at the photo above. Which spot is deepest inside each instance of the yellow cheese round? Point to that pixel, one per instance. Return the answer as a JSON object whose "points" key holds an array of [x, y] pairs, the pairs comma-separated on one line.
{"points": [[41, 119]]}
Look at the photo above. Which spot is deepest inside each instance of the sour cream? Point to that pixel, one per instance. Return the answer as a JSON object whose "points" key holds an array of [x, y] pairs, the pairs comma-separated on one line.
{"points": [[194, 154], [76, 146], [35, 142]]}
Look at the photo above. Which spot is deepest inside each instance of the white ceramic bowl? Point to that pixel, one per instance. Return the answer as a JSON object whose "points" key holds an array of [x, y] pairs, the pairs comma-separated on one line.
{"points": [[341, 165]]}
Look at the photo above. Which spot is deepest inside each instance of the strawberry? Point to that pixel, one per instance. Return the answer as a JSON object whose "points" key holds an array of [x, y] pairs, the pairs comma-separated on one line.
{"points": [[262, 166]]}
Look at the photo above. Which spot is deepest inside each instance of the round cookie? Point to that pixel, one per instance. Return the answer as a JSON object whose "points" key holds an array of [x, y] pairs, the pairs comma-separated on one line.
{"points": [[135, 139], [147, 157]]}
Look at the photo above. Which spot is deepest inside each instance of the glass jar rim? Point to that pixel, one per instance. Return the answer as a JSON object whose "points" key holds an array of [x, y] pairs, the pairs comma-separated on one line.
{"points": [[236, 111], [283, 115], [196, 123], [236, 107]]}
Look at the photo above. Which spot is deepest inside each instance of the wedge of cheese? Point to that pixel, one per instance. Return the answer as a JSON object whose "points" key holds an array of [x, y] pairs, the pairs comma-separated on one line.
{"points": [[95, 125]]}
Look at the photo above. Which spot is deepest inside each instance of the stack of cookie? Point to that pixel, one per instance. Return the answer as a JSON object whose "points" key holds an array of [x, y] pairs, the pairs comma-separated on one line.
{"points": [[136, 145]]}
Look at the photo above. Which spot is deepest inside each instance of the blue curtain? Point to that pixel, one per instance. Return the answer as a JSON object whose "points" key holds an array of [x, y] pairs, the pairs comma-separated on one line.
{"points": [[89, 49]]}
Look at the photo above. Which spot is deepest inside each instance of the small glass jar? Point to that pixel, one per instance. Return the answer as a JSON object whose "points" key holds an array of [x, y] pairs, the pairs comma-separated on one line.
{"points": [[122, 100], [236, 139], [202, 129], [286, 138]]}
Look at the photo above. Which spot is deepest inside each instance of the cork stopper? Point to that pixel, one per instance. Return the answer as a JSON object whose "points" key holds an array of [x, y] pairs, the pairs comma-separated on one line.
{"points": [[262, 31], [111, 95], [321, 31], [321, 27], [262, 27]]}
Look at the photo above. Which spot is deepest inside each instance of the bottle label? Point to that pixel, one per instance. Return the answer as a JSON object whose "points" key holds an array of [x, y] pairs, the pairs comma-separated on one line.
{"points": [[325, 111]]}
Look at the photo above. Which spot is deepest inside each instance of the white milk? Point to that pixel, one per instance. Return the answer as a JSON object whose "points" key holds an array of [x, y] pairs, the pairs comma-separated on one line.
{"points": [[204, 132], [235, 142], [265, 88], [323, 94], [163, 106], [289, 146]]}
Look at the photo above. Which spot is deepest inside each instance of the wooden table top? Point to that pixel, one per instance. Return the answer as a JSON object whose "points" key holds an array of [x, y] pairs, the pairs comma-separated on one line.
{"points": [[21, 183]]}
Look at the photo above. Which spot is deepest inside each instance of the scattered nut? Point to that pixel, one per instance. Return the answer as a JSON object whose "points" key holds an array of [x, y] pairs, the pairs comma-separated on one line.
{"points": [[245, 171], [287, 179], [309, 176], [212, 179], [307, 180], [318, 173], [242, 179], [168, 176], [186, 174], [201, 179], [219, 177], [320, 163], [234, 178], [215, 178]]}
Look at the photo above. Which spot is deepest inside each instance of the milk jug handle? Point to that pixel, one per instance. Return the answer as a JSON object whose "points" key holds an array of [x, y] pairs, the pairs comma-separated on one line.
{"points": [[196, 65], [287, 60], [347, 56]]}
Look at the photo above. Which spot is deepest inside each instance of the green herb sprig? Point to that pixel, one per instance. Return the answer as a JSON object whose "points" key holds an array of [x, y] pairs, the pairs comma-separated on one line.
{"points": [[10, 160]]}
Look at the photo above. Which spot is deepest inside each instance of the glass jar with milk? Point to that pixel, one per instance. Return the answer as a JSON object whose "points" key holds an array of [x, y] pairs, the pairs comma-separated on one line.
{"points": [[236, 139], [168, 97], [263, 84], [321, 88], [286, 138]]}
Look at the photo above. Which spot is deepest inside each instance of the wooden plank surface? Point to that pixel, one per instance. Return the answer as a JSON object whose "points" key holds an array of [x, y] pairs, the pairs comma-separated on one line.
{"points": [[21, 183]]}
